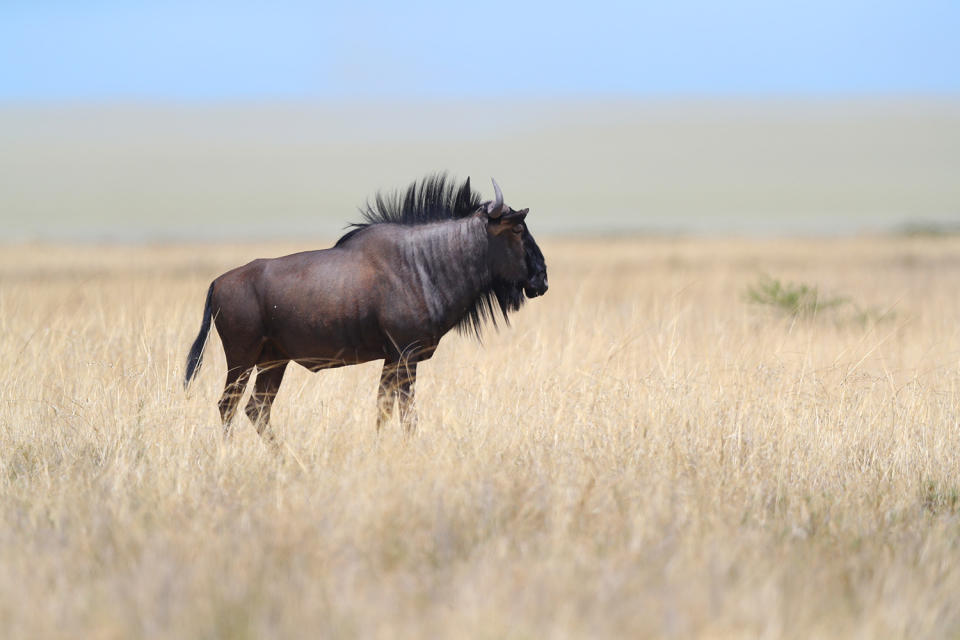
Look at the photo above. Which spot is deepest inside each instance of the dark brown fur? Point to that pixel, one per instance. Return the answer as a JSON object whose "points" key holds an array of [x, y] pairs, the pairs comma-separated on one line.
{"points": [[388, 290]]}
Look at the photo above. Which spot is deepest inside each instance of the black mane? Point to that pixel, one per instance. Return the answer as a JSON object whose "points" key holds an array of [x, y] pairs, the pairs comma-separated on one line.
{"points": [[432, 199], [435, 199]]}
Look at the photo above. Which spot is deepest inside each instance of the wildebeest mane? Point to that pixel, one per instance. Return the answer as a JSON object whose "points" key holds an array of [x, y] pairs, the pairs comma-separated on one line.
{"points": [[434, 199]]}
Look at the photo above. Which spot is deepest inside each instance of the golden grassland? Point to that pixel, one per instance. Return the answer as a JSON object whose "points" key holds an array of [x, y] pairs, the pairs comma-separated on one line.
{"points": [[643, 454]]}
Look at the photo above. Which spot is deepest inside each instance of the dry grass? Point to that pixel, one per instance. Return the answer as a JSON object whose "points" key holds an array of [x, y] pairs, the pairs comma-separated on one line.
{"points": [[644, 454]]}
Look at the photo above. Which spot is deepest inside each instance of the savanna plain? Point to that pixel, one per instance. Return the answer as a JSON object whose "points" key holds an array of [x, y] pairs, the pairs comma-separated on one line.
{"points": [[673, 442]]}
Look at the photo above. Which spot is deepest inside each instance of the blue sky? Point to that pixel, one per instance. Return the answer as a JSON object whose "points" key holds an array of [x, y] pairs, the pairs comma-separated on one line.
{"points": [[95, 51]]}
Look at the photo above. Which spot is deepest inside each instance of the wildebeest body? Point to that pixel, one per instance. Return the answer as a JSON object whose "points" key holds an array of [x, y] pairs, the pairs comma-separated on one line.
{"points": [[304, 307]]}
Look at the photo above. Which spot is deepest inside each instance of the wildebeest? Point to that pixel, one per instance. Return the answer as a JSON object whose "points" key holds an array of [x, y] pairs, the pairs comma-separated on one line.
{"points": [[419, 265]]}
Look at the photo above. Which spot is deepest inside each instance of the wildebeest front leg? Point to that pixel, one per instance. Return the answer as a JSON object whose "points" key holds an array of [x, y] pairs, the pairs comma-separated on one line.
{"points": [[407, 378], [386, 393], [265, 387]]}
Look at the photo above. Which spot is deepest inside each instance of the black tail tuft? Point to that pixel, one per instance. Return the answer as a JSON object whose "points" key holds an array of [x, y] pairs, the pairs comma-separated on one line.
{"points": [[196, 351]]}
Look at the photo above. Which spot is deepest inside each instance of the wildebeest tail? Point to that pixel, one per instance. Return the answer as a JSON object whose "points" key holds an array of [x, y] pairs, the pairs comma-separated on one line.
{"points": [[196, 351]]}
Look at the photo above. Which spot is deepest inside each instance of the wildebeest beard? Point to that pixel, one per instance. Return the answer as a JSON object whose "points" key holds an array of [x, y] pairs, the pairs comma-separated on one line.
{"points": [[509, 295]]}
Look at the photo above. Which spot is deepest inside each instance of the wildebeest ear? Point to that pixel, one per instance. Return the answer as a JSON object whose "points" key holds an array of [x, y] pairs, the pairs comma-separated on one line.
{"points": [[516, 216]]}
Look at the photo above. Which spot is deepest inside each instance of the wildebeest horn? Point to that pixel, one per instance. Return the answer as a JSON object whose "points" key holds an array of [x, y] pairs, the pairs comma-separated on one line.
{"points": [[495, 208]]}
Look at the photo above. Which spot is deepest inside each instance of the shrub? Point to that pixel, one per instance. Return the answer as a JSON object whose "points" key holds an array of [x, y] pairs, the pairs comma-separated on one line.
{"points": [[791, 298]]}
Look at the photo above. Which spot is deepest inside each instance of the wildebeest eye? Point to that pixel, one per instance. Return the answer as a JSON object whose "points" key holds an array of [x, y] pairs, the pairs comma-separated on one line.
{"points": [[518, 228]]}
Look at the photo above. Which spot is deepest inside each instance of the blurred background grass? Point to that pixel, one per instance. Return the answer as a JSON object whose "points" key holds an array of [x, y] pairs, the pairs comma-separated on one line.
{"points": [[225, 171]]}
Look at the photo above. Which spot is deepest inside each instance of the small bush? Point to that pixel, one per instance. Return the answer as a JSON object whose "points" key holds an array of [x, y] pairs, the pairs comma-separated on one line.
{"points": [[791, 298], [929, 229]]}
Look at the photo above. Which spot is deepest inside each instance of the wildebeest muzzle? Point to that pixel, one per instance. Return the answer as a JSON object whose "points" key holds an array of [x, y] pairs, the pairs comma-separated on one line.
{"points": [[537, 285]]}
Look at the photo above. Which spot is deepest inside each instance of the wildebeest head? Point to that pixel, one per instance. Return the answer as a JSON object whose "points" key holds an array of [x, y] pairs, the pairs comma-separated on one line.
{"points": [[516, 260]]}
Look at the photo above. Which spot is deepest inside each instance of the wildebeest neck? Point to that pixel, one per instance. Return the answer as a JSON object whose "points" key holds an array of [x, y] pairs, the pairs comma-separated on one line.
{"points": [[447, 264]]}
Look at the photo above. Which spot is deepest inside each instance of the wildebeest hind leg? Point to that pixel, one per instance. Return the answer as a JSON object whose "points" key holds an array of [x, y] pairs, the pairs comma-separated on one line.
{"points": [[406, 379], [386, 393], [237, 377], [265, 387]]}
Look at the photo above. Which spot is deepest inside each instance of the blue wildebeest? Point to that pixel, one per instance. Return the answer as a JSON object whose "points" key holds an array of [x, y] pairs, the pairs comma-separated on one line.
{"points": [[421, 263]]}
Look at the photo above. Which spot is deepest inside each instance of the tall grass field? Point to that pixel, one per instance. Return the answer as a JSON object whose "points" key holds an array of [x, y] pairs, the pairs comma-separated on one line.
{"points": [[683, 438]]}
